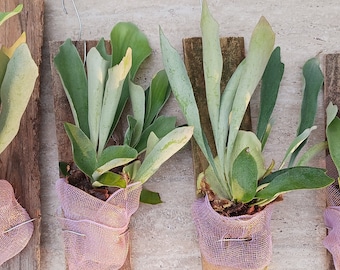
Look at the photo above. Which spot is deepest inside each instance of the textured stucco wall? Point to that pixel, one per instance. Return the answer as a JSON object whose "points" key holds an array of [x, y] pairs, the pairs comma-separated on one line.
{"points": [[163, 235]]}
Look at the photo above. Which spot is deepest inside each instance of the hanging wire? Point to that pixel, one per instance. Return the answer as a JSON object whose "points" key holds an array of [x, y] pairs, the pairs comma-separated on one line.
{"points": [[79, 21]]}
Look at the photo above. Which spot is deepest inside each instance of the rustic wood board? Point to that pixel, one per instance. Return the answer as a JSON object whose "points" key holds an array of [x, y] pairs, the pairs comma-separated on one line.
{"points": [[331, 94], [232, 49], [19, 162], [63, 111]]}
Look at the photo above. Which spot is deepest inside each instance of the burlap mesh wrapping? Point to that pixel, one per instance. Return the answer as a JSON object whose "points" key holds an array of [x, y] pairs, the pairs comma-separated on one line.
{"points": [[15, 231], [96, 232], [332, 215], [213, 229]]}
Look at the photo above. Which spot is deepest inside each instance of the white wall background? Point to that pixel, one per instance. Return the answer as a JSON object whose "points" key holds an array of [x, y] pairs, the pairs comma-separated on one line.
{"points": [[163, 235]]}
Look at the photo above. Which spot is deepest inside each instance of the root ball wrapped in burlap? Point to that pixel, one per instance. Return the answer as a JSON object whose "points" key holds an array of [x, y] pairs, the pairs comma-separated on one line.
{"points": [[236, 243], [96, 232], [15, 226]]}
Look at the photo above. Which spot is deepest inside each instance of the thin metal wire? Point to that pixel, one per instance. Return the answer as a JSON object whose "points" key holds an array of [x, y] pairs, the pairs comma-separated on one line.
{"points": [[79, 21], [235, 239], [20, 224], [77, 13]]}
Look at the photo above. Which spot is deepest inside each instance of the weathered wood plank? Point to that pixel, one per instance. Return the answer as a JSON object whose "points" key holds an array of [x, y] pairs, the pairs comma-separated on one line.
{"points": [[331, 94], [19, 162], [63, 111], [232, 49]]}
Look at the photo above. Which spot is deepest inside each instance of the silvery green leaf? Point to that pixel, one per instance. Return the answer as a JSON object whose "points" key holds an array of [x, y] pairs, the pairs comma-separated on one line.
{"points": [[97, 68], [212, 65], [260, 48], [137, 97], [16, 89], [112, 157], [113, 90], [162, 151]]}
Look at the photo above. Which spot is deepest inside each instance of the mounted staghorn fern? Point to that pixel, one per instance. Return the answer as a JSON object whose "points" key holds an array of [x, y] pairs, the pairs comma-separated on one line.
{"points": [[97, 98], [238, 175]]}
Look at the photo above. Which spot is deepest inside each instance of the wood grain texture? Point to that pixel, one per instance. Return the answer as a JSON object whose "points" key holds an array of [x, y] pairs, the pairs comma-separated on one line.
{"points": [[63, 111], [232, 49], [19, 162], [331, 94]]}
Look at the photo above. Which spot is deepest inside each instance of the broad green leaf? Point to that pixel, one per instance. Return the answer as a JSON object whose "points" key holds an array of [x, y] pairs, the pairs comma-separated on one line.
{"points": [[16, 89], [112, 157], [313, 82], [260, 49], [6, 15], [183, 92], [132, 123], [162, 151], [150, 197], [248, 140], [97, 68], [126, 35], [137, 97], [212, 65], [271, 80], [244, 177], [72, 74], [84, 153], [294, 179], [110, 179], [333, 136], [101, 47], [113, 89], [156, 96], [296, 143], [161, 126]]}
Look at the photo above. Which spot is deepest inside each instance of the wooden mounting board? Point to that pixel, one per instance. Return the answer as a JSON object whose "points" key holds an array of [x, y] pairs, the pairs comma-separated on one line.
{"points": [[331, 91], [232, 49], [63, 111], [19, 162]]}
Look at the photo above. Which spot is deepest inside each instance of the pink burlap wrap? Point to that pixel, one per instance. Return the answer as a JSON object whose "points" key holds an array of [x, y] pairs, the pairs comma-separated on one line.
{"points": [[332, 215], [221, 239], [96, 232], [15, 226]]}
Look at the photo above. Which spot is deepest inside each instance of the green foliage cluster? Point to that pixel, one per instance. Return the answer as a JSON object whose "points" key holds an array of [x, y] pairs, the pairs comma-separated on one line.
{"points": [[98, 91], [238, 172]]}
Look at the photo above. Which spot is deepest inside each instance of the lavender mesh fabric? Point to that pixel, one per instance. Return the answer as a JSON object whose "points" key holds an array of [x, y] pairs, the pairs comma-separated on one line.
{"points": [[332, 240], [14, 232], [332, 215], [214, 229], [96, 232]]}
